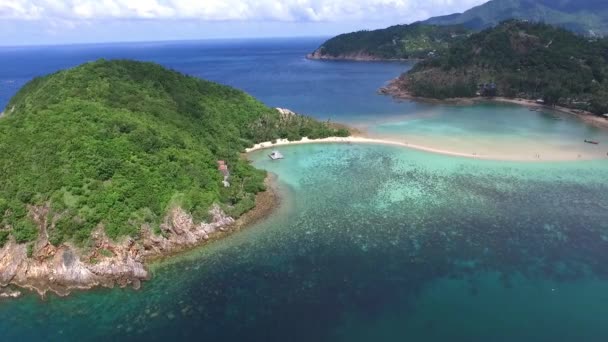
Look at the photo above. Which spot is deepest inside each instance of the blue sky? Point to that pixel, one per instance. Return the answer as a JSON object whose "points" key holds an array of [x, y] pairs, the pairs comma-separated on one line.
{"points": [[31, 22]]}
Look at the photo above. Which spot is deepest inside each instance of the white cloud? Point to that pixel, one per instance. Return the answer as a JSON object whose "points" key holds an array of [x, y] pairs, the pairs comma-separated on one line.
{"points": [[226, 10]]}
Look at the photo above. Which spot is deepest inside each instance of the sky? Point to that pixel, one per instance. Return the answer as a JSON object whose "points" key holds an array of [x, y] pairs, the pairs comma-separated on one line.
{"points": [[36, 22]]}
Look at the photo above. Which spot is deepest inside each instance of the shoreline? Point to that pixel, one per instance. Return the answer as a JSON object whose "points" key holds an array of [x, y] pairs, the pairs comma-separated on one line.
{"points": [[130, 263], [584, 116], [315, 56], [394, 90], [368, 140], [265, 204]]}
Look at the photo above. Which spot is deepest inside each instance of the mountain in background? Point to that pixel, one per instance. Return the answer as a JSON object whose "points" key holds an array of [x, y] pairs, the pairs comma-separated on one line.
{"points": [[392, 43], [433, 36], [589, 17]]}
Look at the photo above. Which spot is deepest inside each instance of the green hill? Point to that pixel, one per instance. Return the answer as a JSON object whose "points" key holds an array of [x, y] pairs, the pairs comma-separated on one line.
{"points": [[118, 143], [396, 42], [518, 59], [589, 17]]}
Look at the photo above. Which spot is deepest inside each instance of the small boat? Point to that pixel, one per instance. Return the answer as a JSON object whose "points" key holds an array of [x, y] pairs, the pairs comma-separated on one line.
{"points": [[275, 155], [592, 142]]}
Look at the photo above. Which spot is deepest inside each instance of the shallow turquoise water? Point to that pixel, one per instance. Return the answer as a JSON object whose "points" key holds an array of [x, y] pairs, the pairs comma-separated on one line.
{"points": [[502, 130], [375, 243]]}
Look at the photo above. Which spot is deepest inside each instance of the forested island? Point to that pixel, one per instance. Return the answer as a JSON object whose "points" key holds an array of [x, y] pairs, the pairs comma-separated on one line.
{"points": [[113, 162], [399, 42], [431, 37], [516, 59]]}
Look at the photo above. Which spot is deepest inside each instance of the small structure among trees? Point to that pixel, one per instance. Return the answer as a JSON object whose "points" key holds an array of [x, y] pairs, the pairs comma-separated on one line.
{"points": [[223, 168], [487, 89]]}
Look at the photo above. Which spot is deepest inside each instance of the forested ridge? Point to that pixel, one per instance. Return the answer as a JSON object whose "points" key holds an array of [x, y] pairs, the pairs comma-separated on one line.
{"points": [[395, 42], [586, 17], [116, 144], [518, 59]]}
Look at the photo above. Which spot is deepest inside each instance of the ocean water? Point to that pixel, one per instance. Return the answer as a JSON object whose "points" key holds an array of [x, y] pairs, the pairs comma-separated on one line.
{"points": [[493, 130], [273, 70], [370, 242], [276, 72], [374, 243]]}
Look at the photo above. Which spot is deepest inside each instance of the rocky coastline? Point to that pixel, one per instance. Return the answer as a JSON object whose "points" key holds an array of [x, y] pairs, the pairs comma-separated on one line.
{"points": [[105, 263], [360, 56]]}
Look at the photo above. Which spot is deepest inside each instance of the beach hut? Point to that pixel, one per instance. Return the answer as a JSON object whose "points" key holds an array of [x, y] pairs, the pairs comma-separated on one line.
{"points": [[276, 155]]}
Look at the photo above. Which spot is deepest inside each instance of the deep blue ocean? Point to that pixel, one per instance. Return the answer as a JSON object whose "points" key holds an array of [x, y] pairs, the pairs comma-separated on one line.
{"points": [[370, 242], [273, 70]]}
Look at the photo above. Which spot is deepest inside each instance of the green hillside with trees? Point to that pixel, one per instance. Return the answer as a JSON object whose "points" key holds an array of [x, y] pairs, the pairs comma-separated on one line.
{"points": [[518, 59], [587, 17], [118, 143], [395, 42]]}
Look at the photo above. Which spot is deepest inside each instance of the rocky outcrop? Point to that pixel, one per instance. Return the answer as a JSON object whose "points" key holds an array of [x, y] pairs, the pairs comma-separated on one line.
{"points": [[356, 56], [106, 263], [179, 231], [10, 111], [359, 56], [285, 113], [397, 88]]}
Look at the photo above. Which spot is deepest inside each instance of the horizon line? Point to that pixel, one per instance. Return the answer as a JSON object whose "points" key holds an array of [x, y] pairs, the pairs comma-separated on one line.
{"points": [[27, 45]]}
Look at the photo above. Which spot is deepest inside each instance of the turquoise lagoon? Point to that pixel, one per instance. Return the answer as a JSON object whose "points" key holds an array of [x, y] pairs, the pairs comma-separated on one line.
{"points": [[493, 130], [374, 242]]}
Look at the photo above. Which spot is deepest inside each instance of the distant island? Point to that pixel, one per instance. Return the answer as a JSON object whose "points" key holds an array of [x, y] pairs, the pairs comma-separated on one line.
{"points": [[586, 17], [399, 42], [516, 59], [434, 36], [113, 163]]}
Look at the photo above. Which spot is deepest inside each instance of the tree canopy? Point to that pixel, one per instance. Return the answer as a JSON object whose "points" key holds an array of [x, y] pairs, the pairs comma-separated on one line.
{"points": [[395, 42], [118, 143], [524, 60]]}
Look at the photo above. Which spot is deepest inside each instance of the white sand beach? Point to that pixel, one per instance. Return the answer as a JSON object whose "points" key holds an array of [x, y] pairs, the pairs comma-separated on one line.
{"points": [[534, 157], [360, 140]]}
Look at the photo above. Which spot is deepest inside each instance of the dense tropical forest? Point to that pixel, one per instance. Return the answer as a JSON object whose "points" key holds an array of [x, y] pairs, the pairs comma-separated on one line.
{"points": [[396, 42], [435, 35], [116, 144], [518, 59], [587, 17]]}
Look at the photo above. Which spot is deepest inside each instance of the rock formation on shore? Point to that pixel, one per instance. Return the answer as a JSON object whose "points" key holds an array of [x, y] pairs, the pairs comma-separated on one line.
{"points": [[46, 268], [112, 163]]}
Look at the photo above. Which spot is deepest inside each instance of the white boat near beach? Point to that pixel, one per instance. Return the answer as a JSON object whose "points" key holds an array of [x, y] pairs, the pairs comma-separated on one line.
{"points": [[275, 155]]}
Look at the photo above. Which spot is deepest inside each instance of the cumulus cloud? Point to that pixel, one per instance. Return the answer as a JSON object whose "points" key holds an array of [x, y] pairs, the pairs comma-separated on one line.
{"points": [[226, 10]]}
